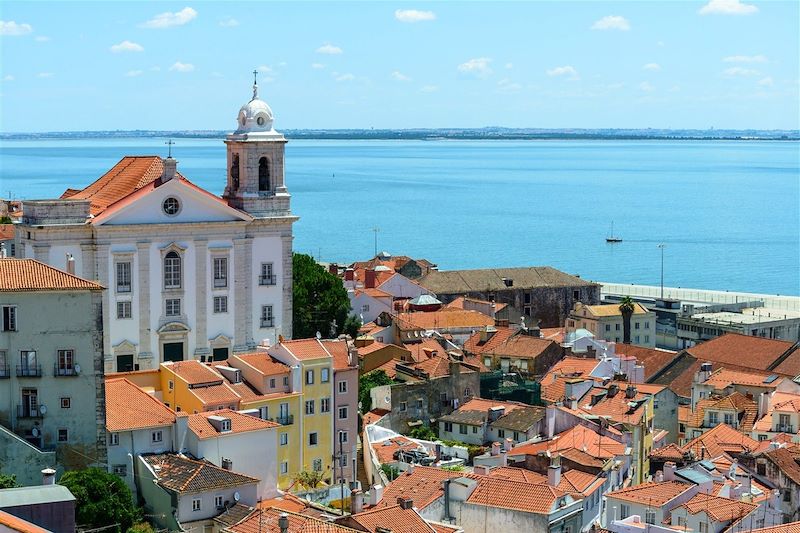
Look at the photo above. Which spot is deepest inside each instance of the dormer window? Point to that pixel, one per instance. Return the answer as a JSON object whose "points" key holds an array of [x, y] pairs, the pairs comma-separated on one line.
{"points": [[226, 425]]}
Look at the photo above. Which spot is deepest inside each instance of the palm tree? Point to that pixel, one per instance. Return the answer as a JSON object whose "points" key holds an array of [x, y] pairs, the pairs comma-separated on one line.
{"points": [[626, 307]]}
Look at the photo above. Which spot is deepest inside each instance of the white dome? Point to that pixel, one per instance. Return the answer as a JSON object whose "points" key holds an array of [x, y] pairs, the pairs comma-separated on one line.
{"points": [[255, 115]]}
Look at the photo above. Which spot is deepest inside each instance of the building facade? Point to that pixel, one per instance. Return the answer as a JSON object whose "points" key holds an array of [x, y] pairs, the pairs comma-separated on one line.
{"points": [[190, 275]]}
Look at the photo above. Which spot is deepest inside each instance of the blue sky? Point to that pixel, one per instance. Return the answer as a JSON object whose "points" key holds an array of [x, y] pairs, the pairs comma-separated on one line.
{"points": [[164, 65]]}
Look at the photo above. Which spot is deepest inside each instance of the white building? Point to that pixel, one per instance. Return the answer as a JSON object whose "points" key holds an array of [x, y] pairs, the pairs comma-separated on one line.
{"points": [[190, 275]]}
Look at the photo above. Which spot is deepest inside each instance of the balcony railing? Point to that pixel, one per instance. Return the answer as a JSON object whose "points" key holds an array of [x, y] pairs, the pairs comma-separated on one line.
{"points": [[266, 280], [268, 322], [64, 370], [5, 372], [26, 411], [287, 420], [123, 288], [220, 282], [29, 371], [784, 428]]}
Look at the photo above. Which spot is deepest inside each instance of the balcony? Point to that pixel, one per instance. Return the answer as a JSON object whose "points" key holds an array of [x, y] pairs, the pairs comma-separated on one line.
{"points": [[266, 280], [268, 322], [784, 428], [64, 371], [220, 283], [26, 411], [5, 372], [123, 288], [287, 420], [29, 371]]}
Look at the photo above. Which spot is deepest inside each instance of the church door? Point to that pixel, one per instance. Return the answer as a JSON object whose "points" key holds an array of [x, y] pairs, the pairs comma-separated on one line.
{"points": [[173, 351]]}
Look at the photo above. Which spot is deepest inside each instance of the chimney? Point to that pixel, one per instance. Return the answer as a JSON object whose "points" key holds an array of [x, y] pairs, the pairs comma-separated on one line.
{"points": [[48, 476], [405, 503], [447, 517], [333, 268], [455, 368], [550, 420], [669, 471], [3, 250], [481, 470], [169, 169], [356, 501], [181, 430], [630, 391], [349, 274], [369, 279], [375, 495], [508, 444], [612, 390], [283, 523], [704, 373], [554, 471], [70, 264], [496, 412], [495, 448], [659, 477]]}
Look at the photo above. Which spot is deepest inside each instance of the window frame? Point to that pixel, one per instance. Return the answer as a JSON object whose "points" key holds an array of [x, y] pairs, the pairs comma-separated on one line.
{"points": [[313, 436], [342, 389], [157, 433], [267, 316], [124, 276], [10, 315], [219, 268], [122, 306], [173, 270], [220, 305], [324, 375], [170, 307]]}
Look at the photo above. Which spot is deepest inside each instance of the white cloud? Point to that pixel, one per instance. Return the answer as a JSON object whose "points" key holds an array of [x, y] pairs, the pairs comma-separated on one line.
{"points": [[745, 59], [727, 7], [228, 22], [399, 76], [766, 82], [646, 87], [329, 49], [317, 65], [413, 15], [41, 38], [9, 27], [127, 46], [45, 75], [740, 71], [8, 77], [343, 77], [566, 70], [429, 89], [478, 66], [507, 86], [133, 73], [509, 65], [168, 20], [182, 67], [654, 67], [612, 22]]}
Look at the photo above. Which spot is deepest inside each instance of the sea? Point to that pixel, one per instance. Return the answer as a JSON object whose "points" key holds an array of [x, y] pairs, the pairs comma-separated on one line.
{"points": [[727, 212]]}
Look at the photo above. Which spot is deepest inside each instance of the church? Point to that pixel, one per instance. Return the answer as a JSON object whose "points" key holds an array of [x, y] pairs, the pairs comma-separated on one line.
{"points": [[188, 274]]}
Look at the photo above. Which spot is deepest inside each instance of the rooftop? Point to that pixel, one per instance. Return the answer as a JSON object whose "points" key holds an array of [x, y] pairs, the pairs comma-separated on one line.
{"points": [[537, 498], [609, 310], [240, 423], [129, 408], [183, 475], [264, 363], [193, 372], [756, 353], [727, 318], [394, 518], [17, 275], [446, 318], [266, 521], [719, 440], [423, 485], [306, 349], [717, 508], [655, 493], [35, 495], [495, 279]]}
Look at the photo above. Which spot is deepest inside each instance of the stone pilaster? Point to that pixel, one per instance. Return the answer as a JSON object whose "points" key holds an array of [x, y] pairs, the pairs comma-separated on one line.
{"points": [[286, 258], [142, 285], [41, 252], [240, 289], [201, 298], [89, 261], [102, 251], [250, 283]]}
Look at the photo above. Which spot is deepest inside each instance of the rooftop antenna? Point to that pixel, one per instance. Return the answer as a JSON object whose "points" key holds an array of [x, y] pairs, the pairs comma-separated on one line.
{"points": [[169, 144]]}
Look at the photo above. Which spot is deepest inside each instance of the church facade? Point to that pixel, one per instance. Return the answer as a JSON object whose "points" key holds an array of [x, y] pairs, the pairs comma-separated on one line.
{"points": [[188, 275]]}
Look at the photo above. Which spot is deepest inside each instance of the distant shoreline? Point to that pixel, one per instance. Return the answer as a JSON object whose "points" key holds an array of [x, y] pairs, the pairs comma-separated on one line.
{"points": [[513, 134]]}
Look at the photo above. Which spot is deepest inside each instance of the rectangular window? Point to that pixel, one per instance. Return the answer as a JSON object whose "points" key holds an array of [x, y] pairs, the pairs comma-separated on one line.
{"points": [[124, 276], [703, 527], [173, 306], [729, 419], [647, 325], [342, 413], [616, 327], [285, 381], [325, 375], [172, 271], [284, 439], [310, 377], [501, 433], [636, 326], [419, 403], [365, 308], [516, 435], [29, 364], [266, 277], [9, 318], [636, 339], [624, 511], [403, 406], [647, 338], [309, 407], [325, 405], [462, 428], [63, 435], [271, 383], [312, 439], [4, 370], [713, 417], [196, 504], [157, 436], [218, 502], [474, 429], [123, 310], [267, 319], [316, 465], [220, 272], [220, 304], [66, 363], [342, 387], [113, 439], [343, 438], [650, 516], [284, 467], [608, 327], [66, 403], [448, 427], [120, 470], [467, 392]]}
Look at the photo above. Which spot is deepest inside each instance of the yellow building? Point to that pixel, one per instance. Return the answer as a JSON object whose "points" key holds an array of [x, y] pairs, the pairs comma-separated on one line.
{"points": [[315, 380], [605, 322]]}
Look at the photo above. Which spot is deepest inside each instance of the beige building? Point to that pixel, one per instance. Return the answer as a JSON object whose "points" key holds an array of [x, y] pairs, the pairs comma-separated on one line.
{"points": [[51, 370], [605, 322]]}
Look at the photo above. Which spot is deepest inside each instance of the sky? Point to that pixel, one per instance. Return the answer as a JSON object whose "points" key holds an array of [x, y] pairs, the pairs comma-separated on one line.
{"points": [[70, 66]]}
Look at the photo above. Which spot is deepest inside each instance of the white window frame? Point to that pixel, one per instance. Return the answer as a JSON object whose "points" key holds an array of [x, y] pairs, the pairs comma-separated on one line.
{"points": [[325, 375], [220, 272], [267, 316], [339, 412], [157, 436], [284, 467], [266, 274], [310, 376], [173, 270], [220, 305], [171, 305], [342, 387], [310, 408], [325, 405], [113, 439], [196, 504], [284, 439], [66, 435], [124, 276], [124, 310], [218, 501]]}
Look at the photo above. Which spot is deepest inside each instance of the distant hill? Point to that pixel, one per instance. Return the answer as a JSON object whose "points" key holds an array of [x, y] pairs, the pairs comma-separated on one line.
{"points": [[441, 133]]}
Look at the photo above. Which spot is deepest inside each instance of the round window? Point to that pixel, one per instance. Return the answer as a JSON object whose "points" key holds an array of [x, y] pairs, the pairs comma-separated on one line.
{"points": [[260, 121], [171, 206]]}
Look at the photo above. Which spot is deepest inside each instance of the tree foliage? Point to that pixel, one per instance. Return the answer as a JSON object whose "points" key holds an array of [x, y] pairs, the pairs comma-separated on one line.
{"points": [[626, 307], [8, 481], [309, 479], [422, 433], [320, 302], [376, 378], [102, 499]]}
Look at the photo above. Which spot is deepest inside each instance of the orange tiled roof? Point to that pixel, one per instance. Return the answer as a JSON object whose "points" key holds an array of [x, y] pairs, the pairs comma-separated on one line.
{"points": [[200, 426], [375, 293], [724, 377], [670, 452], [305, 349], [393, 518], [374, 415], [423, 485], [474, 344], [128, 408], [13, 523], [437, 367], [652, 359], [506, 494], [654, 494], [193, 372], [340, 352], [577, 482], [782, 403], [446, 319], [183, 475], [389, 367], [574, 366], [266, 521], [717, 508], [579, 438], [784, 459], [287, 502], [619, 407], [607, 310], [756, 353], [421, 351], [745, 408], [216, 395], [6, 232], [264, 363], [17, 275], [386, 449], [793, 527], [718, 440], [518, 474]]}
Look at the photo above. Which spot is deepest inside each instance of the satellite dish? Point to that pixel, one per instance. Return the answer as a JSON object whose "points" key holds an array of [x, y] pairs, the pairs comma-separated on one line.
{"points": [[35, 432], [77, 369], [236, 496], [388, 399], [43, 409], [319, 335]]}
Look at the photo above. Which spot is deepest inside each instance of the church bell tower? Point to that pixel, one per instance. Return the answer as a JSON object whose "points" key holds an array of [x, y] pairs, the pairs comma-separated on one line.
{"points": [[255, 162]]}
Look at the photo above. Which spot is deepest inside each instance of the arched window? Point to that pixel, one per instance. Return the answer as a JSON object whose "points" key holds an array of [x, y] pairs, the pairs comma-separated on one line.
{"points": [[172, 271], [235, 172], [263, 174]]}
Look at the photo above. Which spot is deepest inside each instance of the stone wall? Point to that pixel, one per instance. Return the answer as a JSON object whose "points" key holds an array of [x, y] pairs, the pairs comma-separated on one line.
{"points": [[50, 212]]}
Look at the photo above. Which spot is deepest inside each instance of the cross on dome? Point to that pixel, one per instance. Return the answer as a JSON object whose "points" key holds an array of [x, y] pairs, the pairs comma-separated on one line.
{"points": [[255, 116]]}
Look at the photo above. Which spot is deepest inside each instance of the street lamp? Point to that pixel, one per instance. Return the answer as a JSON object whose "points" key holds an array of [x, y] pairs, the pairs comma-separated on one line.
{"points": [[662, 246]]}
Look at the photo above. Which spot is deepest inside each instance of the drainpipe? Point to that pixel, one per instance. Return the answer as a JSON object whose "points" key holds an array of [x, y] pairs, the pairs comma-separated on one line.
{"points": [[447, 500]]}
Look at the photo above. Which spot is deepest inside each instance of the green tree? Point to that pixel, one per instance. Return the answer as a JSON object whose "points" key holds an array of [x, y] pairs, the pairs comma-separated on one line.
{"points": [[423, 433], [366, 382], [8, 481], [352, 325], [320, 302], [626, 307], [102, 499], [309, 479], [141, 527]]}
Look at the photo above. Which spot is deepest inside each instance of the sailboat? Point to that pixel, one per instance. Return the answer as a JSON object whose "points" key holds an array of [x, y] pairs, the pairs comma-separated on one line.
{"points": [[611, 237]]}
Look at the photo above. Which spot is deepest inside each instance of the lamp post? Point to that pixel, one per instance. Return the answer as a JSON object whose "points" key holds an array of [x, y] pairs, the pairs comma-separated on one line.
{"points": [[376, 230], [662, 245]]}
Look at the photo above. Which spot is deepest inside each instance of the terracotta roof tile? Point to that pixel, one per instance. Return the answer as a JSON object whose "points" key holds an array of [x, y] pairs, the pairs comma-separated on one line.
{"points": [[423, 485], [521, 346], [475, 345], [128, 407], [574, 366], [792, 527], [183, 475], [652, 359], [193, 372], [233, 515], [240, 423], [734, 349], [606, 310], [786, 462], [581, 483], [340, 352], [421, 351], [719, 440], [264, 363], [386, 449], [493, 279], [670, 452], [717, 508], [446, 319], [216, 395], [724, 377], [619, 407], [6, 232], [579, 438], [266, 521], [374, 415], [655, 494], [518, 474], [9, 522], [394, 518], [306, 349], [18, 275], [553, 334], [287, 502], [519, 496]]}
